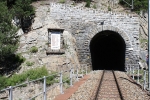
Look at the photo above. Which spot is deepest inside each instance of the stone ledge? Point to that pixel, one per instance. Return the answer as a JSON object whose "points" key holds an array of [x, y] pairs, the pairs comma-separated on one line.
{"points": [[57, 52]]}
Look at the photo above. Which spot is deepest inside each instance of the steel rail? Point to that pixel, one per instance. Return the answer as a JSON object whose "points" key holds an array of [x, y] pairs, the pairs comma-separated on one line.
{"points": [[100, 83], [118, 87]]}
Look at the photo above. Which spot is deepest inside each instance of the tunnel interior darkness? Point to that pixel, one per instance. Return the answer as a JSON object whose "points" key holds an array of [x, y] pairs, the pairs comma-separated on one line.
{"points": [[107, 50]]}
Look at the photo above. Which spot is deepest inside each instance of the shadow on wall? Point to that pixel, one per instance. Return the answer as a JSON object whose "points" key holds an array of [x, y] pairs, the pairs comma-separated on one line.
{"points": [[108, 51]]}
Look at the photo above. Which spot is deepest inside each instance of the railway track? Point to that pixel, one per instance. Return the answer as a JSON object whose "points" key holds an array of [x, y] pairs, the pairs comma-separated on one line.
{"points": [[108, 88]]}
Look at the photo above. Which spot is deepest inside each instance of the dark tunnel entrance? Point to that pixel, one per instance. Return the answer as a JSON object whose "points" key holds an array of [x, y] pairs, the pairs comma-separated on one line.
{"points": [[108, 51]]}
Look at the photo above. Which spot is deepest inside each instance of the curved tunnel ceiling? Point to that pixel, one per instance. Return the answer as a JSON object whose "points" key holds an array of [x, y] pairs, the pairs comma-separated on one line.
{"points": [[108, 51]]}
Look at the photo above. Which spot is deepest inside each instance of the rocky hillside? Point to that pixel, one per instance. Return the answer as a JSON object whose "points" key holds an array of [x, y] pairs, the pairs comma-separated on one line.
{"points": [[38, 36]]}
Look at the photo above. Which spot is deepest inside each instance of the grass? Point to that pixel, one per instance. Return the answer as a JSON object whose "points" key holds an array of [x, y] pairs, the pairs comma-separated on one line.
{"points": [[141, 72], [143, 41], [94, 6], [73, 4], [66, 46], [31, 74], [33, 49], [28, 63], [51, 79], [109, 9], [66, 80], [62, 1]]}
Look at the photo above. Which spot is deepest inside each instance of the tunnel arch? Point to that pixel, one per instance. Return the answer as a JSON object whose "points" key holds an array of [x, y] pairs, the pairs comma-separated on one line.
{"points": [[107, 49]]}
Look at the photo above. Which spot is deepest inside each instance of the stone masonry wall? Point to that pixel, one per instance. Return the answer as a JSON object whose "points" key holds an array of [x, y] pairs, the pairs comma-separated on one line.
{"points": [[85, 23]]}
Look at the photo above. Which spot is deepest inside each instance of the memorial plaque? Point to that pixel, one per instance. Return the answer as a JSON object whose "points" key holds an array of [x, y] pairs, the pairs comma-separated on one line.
{"points": [[55, 40]]}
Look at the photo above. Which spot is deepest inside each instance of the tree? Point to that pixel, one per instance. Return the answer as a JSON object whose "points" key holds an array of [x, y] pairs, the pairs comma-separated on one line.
{"points": [[139, 5], [8, 36], [10, 3], [23, 10]]}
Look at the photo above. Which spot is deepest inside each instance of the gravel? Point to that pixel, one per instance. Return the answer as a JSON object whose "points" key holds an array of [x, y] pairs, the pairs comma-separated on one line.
{"points": [[85, 90], [129, 89]]}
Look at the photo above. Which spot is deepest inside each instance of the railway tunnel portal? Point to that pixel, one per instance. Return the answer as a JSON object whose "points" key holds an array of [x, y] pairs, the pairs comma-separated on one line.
{"points": [[107, 50]]}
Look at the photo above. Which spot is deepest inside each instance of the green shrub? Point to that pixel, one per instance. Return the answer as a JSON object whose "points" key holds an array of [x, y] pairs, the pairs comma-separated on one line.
{"points": [[94, 6], [31, 74], [2, 82], [16, 79], [20, 78], [62, 1], [88, 2], [138, 5], [36, 73], [109, 9], [34, 49], [73, 4], [19, 58], [28, 63], [66, 80], [143, 41], [51, 79]]}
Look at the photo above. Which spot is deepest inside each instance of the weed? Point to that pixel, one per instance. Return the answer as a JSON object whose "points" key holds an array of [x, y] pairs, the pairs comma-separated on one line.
{"points": [[109, 9], [51, 79], [143, 41], [62, 1], [28, 63], [2, 82], [73, 4], [33, 99], [37, 73], [31, 74], [88, 2], [94, 6], [66, 80], [46, 43], [33, 49], [19, 58]]}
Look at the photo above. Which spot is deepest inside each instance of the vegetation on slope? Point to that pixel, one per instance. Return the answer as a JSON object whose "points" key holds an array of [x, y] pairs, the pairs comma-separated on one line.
{"points": [[139, 5], [10, 9], [31, 74]]}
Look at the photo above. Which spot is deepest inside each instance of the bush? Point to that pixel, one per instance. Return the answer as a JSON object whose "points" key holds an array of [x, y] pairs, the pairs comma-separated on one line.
{"points": [[88, 2], [62, 1], [66, 80], [31, 74], [138, 5], [34, 49], [94, 6], [109, 9], [28, 63], [19, 58], [51, 79], [16, 79], [2, 82], [36, 73]]}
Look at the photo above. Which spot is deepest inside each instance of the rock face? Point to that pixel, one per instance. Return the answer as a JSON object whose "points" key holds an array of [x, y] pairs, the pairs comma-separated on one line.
{"points": [[38, 37], [37, 24], [20, 32], [82, 24]]}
